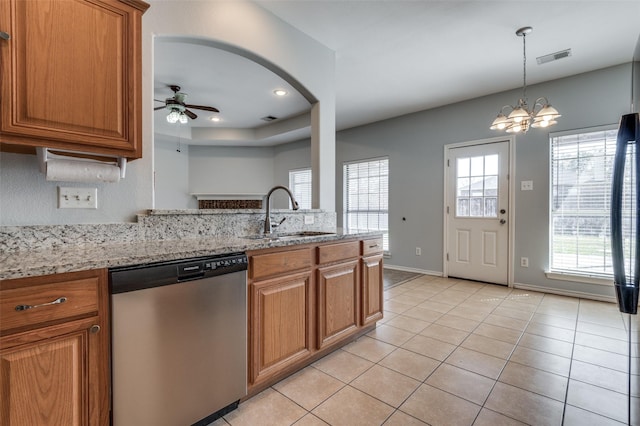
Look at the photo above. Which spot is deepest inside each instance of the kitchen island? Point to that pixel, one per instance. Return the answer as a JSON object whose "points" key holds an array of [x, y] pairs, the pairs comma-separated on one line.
{"points": [[310, 290]]}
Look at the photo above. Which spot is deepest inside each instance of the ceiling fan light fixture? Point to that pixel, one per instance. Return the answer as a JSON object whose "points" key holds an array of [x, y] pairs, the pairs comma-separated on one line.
{"points": [[183, 118], [173, 116], [521, 117]]}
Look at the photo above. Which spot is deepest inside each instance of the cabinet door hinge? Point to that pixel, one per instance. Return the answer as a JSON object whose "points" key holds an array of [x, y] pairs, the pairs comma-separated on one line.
{"points": [[447, 257], [447, 209]]}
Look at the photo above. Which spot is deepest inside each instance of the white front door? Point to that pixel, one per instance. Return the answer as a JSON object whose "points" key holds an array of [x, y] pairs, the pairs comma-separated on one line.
{"points": [[477, 201]]}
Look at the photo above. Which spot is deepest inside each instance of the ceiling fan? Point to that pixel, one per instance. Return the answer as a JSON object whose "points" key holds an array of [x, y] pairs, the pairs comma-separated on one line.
{"points": [[178, 108]]}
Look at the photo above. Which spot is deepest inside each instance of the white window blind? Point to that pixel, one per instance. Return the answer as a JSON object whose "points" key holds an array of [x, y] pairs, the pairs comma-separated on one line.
{"points": [[300, 185], [581, 174], [366, 197]]}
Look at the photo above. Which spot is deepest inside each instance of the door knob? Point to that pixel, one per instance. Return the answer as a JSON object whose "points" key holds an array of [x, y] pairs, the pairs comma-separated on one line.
{"points": [[502, 211], [502, 221]]}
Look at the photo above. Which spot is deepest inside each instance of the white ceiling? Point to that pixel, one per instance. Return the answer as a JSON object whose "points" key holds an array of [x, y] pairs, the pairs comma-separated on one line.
{"points": [[394, 57]]}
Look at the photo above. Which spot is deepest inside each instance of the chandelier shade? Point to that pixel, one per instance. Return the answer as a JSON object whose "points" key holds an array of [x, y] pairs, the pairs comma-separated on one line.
{"points": [[520, 118]]}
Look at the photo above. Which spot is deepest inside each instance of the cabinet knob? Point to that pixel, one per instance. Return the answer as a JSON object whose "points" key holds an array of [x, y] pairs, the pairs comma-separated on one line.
{"points": [[4, 36], [94, 329]]}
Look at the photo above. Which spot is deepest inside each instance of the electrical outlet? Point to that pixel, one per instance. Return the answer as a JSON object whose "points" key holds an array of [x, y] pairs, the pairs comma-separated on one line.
{"points": [[308, 219], [524, 262], [77, 198], [418, 251]]}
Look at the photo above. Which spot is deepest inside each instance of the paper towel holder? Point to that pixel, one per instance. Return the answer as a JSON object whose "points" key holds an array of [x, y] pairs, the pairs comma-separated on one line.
{"points": [[44, 154]]}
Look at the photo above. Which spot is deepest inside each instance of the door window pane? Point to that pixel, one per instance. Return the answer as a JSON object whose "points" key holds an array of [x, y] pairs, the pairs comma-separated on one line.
{"points": [[477, 186]]}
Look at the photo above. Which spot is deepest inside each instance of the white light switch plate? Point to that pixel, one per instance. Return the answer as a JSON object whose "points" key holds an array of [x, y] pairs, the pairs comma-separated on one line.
{"points": [[77, 198], [308, 219], [526, 185]]}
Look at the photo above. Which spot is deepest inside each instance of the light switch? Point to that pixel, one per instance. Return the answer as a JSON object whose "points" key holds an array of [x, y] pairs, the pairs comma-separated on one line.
{"points": [[77, 198], [308, 219], [526, 185]]}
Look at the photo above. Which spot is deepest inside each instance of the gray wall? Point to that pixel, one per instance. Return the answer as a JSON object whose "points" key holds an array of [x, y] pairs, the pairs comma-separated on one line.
{"points": [[224, 170], [26, 198], [171, 176], [415, 146]]}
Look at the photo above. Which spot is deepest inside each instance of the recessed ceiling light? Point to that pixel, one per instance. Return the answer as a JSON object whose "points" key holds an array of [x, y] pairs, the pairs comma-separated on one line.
{"points": [[214, 118], [280, 92]]}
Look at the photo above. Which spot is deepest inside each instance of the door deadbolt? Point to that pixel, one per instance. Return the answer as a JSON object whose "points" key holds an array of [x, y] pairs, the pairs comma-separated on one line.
{"points": [[502, 211]]}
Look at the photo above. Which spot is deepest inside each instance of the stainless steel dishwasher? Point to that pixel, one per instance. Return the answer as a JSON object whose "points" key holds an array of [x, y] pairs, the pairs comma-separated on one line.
{"points": [[179, 341]]}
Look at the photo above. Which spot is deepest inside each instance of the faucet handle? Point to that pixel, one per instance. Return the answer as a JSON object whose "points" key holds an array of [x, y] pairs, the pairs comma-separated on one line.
{"points": [[275, 225]]}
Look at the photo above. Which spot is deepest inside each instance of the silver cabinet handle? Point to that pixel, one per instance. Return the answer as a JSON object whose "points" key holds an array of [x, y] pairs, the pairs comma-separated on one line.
{"points": [[55, 302], [4, 36]]}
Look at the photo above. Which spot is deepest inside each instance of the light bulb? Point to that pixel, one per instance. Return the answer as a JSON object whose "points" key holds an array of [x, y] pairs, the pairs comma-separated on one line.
{"points": [[173, 117], [183, 118]]}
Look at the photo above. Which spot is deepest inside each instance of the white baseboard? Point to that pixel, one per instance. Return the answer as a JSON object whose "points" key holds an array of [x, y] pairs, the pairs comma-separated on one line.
{"points": [[570, 293], [416, 270]]}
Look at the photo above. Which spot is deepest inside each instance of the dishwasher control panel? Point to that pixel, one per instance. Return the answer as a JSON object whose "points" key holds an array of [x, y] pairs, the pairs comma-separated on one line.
{"points": [[133, 278]]}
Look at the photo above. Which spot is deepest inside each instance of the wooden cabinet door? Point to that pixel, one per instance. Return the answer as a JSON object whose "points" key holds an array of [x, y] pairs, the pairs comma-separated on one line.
{"points": [[71, 75], [372, 288], [51, 377], [280, 324], [338, 296]]}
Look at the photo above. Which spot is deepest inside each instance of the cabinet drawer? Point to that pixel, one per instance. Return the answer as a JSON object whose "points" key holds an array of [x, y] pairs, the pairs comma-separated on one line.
{"points": [[371, 246], [265, 265], [29, 306], [338, 252]]}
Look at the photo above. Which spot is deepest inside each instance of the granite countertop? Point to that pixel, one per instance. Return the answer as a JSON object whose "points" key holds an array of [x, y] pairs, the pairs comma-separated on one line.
{"points": [[83, 257]]}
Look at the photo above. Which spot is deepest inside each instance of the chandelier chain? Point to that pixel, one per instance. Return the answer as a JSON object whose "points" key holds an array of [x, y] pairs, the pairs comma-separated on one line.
{"points": [[524, 67]]}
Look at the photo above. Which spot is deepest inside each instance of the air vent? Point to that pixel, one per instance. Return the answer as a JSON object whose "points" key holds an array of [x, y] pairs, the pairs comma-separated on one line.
{"points": [[269, 118], [553, 56]]}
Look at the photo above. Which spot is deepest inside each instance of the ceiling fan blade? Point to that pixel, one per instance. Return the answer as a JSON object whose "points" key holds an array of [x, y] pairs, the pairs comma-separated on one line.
{"points": [[190, 114], [206, 108], [160, 107]]}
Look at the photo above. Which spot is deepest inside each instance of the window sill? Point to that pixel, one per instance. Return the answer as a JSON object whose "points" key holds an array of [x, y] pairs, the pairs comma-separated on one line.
{"points": [[588, 279]]}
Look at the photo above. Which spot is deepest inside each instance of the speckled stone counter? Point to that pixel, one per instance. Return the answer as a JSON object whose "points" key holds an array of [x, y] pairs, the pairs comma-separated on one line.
{"points": [[77, 258], [157, 236]]}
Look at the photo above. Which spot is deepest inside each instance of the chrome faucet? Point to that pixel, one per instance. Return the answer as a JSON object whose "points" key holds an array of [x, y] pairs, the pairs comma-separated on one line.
{"points": [[267, 220]]}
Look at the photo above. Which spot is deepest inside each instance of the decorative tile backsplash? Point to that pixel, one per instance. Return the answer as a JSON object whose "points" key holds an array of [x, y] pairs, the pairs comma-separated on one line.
{"points": [[229, 204], [161, 225]]}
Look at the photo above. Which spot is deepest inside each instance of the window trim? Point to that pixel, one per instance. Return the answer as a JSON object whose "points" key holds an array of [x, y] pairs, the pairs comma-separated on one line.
{"points": [[605, 279], [386, 252], [291, 187]]}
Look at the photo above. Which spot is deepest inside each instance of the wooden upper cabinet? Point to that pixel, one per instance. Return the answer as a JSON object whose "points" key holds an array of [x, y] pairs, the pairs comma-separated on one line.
{"points": [[71, 75]]}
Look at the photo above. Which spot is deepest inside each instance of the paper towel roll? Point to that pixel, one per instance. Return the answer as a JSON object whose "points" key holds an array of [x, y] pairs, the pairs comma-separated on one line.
{"points": [[81, 171]]}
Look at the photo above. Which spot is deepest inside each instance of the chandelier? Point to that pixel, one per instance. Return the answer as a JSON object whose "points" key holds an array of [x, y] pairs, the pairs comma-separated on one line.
{"points": [[520, 117], [177, 116]]}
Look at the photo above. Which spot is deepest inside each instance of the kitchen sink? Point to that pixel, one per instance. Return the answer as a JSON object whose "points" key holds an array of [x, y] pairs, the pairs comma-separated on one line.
{"points": [[288, 235]]}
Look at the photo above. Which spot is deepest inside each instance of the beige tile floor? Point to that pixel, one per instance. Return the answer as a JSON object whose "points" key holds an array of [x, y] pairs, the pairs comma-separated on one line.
{"points": [[453, 352]]}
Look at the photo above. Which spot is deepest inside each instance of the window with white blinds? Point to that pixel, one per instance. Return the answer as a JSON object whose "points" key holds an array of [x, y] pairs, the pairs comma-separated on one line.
{"points": [[300, 186], [581, 174], [366, 197]]}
